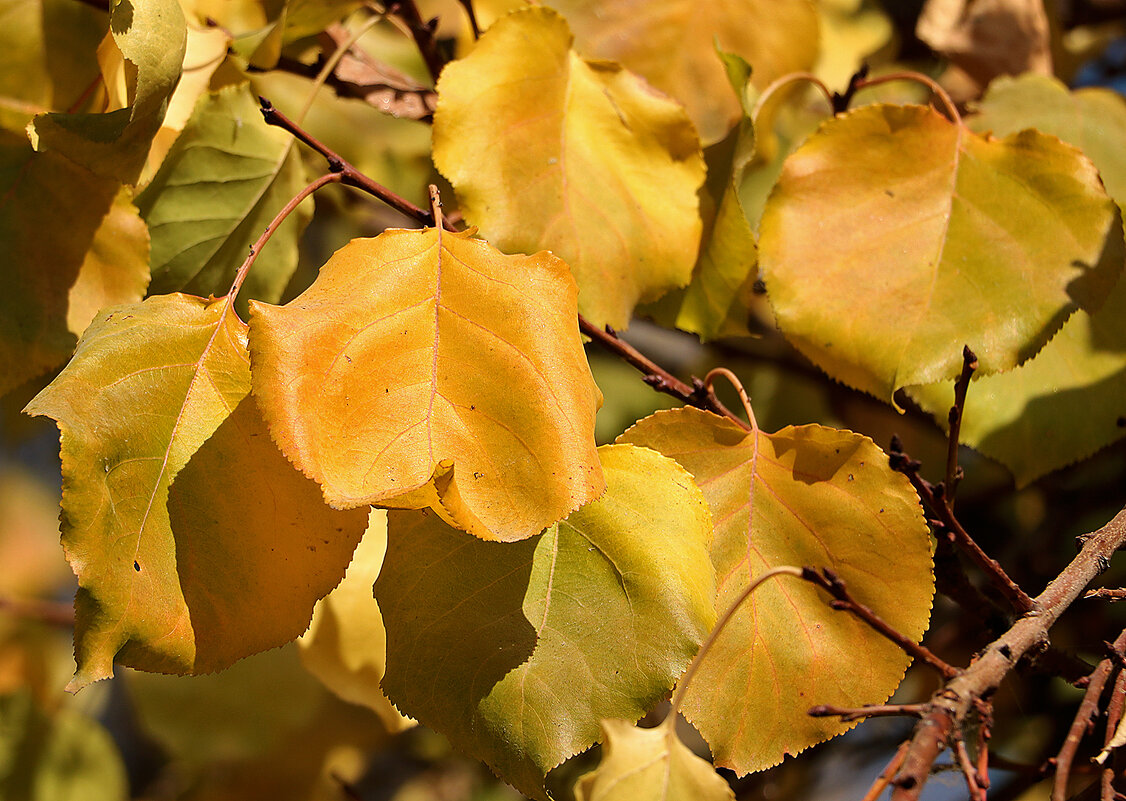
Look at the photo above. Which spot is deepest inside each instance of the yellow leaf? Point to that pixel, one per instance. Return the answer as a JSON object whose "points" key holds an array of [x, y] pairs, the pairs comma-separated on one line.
{"points": [[672, 44], [803, 496], [346, 644], [548, 151], [641, 764], [180, 569], [426, 368]]}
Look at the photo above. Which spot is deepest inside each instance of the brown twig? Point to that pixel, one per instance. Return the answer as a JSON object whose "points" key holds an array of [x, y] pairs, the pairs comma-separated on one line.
{"points": [[953, 472], [349, 175], [50, 612], [1108, 594], [933, 496], [468, 6], [423, 34], [882, 781], [843, 601], [950, 707], [656, 376], [871, 711], [1081, 724], [1113, 716], [968, 771]]}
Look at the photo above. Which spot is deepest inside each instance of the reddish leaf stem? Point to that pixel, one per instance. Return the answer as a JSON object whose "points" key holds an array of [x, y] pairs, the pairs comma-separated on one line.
{"points": [[951, 705], [917, 77], [791, 78], [976, 793], [1088, 708], [953, 473], [882, 781], [349, 175], [843, 601], [256, 248], [721, 624], [933, 496]]}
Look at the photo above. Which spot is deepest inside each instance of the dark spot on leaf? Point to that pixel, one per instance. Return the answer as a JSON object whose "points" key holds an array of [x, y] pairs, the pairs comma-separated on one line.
{"points": [[759, 287], [889, 193], [850, 477], [136, 567], [1121, 422]]}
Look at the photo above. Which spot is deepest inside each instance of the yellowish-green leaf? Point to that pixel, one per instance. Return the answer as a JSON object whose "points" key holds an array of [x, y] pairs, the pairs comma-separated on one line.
{"points": [[548, 151], [50, 213], [221, 184], [65, 756], [151, 38], [894, 237], [180, 569], [1067, 402], [803, 496], [426, 368], [346, 644], [46, 56], [1094, 120], [642, 764], [671, 43], [517, 651], [116, 268]]}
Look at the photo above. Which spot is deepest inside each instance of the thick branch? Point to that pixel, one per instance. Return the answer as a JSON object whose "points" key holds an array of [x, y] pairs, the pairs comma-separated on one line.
{"points": [[951, 705]]}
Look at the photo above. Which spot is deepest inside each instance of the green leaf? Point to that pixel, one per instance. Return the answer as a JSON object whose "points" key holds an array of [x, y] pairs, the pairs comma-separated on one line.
{"points": [[428, 369], [65, 756], [151, 38], [649, 764], [894, 237], [346, 644], [1066, 403], [671, 43], [181, 570], [548, 151], [517, 651], [221, 184], [803, 496]]}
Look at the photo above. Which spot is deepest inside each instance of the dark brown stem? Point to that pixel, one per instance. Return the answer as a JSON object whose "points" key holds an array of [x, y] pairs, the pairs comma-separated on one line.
{"points": [[953, 473], [349, 175], [843, 601], [952, 704], [468, 6], [932, 496], [1088, 708], [871, 711], [656, 376], [54, 614], [423, 34]]}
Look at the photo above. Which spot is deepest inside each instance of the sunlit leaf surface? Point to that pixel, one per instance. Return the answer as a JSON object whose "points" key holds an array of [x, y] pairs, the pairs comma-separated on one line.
{"points": [[221, 184], [672, 44], [804, 496], [180, 569], [1067, 402], [517, 651], [895, 237], [426, 368], [548, 151], [649, 764]]}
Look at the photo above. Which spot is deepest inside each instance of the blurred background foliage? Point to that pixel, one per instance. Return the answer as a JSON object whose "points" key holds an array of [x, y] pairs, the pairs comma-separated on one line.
{"points": [[267, 728]]}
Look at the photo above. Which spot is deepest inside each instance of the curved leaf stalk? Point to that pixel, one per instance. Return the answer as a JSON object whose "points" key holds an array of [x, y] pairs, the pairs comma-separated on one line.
{"points": [[686, 680], [785, 81], [947, 103]]}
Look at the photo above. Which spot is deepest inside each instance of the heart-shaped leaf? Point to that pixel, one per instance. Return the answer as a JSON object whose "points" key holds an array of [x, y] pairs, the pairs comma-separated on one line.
{"points": [[181, 570], [516, 651], [426, 368], [548, 151], [803, 496], [894, 237]]}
